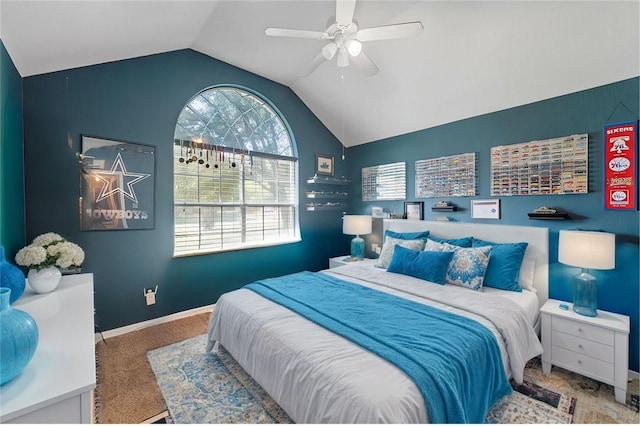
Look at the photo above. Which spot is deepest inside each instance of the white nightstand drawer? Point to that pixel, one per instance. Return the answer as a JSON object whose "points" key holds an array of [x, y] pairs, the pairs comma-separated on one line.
{"points": [[579, 329], [583, 346], [585, 365]]}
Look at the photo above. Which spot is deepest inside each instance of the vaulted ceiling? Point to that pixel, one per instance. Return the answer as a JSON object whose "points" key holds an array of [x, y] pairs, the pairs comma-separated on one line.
{"points": [[473, 57]]}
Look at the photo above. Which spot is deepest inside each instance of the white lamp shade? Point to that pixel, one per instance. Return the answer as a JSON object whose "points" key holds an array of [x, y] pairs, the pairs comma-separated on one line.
{"points": [[329, 50], [354, 47], [356, 224], [587, 249]]}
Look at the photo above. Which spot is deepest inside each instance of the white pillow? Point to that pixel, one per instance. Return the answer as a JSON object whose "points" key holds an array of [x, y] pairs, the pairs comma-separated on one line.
{"points": [[527, 268], [389, 245]]}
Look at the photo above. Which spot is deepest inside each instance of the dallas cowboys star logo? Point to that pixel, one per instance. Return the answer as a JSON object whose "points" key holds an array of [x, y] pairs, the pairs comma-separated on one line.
{"points": [[118, 185]]}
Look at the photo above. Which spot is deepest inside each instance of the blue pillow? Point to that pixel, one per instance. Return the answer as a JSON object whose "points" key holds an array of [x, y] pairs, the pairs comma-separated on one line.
{"points": [[425, 265], [407, 236], [463, 242], [504, 264]]}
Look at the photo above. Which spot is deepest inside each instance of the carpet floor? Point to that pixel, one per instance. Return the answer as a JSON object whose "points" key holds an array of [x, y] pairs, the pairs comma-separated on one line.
{"points": [[212, 388], [127, 391]]}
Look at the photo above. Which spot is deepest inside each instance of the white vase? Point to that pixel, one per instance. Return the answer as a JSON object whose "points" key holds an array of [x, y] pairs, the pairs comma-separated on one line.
{"points": [[45, 280]]}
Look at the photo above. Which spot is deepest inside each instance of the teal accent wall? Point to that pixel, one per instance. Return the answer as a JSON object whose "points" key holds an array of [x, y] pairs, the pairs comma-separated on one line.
{"points": [[139, 100], [582, 112], [12, 222]]}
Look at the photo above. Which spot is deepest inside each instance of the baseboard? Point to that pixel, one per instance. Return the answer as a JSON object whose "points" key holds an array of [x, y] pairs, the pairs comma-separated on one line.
{"points": [[153, 322], [633, 374]]}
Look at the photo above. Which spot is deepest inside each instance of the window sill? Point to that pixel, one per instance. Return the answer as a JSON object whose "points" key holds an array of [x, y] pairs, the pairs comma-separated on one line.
{"points": [[239, 248]]}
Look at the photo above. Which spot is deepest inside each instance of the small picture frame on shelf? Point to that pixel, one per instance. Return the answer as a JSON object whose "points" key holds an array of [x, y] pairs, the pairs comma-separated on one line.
{"points": [[414, 210], [324, 164]]}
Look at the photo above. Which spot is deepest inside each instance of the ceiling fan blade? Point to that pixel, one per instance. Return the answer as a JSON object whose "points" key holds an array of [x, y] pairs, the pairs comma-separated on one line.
{"points": [[319, 59], [364, 64], [304, 34], [344, 11], [394, 31]]}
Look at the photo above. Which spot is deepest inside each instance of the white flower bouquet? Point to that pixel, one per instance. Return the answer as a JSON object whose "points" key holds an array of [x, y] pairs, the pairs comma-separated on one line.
{"points": [[50, 250]]}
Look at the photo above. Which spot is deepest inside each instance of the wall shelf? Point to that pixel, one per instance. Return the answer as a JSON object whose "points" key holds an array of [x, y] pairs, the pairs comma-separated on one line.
{"points": [[326, 195], [545, 212], [325, 206], [444, 207], [329, 180], [548, 216], [328, 200]]}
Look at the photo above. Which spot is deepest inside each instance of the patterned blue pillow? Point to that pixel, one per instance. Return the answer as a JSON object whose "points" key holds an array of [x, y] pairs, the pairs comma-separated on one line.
{"points": [[463, 242], [425, 265], [504, 265], [389, 246], [407, 236], [468, 266], [439, 245]]}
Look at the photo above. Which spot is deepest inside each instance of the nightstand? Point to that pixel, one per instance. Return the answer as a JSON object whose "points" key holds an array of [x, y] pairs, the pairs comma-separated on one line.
{"points": [[340, 260], [596, 347]]}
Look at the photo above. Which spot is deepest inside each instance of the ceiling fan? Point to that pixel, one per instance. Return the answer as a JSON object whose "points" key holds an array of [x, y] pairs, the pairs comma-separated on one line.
{"points": [[345, 39]]}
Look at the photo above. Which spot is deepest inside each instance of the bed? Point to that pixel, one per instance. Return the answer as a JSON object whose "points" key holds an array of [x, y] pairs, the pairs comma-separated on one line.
{"points": [[318, 376]]}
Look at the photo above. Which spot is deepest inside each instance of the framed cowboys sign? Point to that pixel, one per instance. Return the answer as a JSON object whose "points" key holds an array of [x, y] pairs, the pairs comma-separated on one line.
{"points": [[117, 185]]}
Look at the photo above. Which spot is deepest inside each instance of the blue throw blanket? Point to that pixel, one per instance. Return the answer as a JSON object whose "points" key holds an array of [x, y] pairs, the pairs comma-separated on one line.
{"points": [[454, 361]]}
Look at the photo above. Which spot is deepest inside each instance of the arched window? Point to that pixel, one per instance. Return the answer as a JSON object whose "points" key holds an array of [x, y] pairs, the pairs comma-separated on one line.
{"points": [[235, 174]]}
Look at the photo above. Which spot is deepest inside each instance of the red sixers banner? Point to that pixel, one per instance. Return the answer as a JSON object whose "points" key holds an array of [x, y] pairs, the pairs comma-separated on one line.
{"points": [[620, 164]]}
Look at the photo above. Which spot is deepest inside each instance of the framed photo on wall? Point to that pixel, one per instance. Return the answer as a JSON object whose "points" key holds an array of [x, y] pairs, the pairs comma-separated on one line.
{"points": [[324, 164], [414, 210], [485, 209], [117, 185]]}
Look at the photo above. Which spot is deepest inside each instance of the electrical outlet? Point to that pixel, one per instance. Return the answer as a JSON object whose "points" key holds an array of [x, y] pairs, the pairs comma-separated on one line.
{"points": [[374, 247], [378, 250], [150, 295]]}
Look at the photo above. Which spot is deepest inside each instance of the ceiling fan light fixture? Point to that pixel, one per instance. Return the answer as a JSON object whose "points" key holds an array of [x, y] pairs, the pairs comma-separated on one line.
{"points": [[343, 58], [344, 38], [354, 47], [329, 50]]}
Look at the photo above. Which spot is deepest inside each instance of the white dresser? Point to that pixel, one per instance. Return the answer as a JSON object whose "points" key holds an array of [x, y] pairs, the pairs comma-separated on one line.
{"points": [[56, 385], [596, 347]]}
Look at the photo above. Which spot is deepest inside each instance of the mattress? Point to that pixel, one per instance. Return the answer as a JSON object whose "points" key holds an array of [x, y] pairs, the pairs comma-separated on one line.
{"points": [[319, 377]]}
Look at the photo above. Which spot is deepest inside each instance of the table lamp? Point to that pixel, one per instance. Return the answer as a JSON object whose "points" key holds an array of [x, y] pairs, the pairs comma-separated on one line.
{"points": [[587, 250], [356, 225]]}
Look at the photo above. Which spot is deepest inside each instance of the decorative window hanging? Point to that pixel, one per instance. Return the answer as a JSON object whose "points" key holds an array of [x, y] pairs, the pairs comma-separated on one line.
{"points": [[552, 166], [384, 182], [446, 176]]}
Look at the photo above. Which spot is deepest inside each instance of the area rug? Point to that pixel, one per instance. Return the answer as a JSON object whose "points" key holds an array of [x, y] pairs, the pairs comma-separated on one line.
{"points": [[201, 387], [210, 388]]}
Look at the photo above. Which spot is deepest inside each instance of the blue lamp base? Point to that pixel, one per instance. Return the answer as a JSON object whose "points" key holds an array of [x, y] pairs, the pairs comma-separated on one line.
{"points": [[585, 295], [357, 248]]}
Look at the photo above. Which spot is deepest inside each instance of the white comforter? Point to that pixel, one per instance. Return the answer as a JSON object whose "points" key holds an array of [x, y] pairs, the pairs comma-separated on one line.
{"points": [[319, 377]]}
